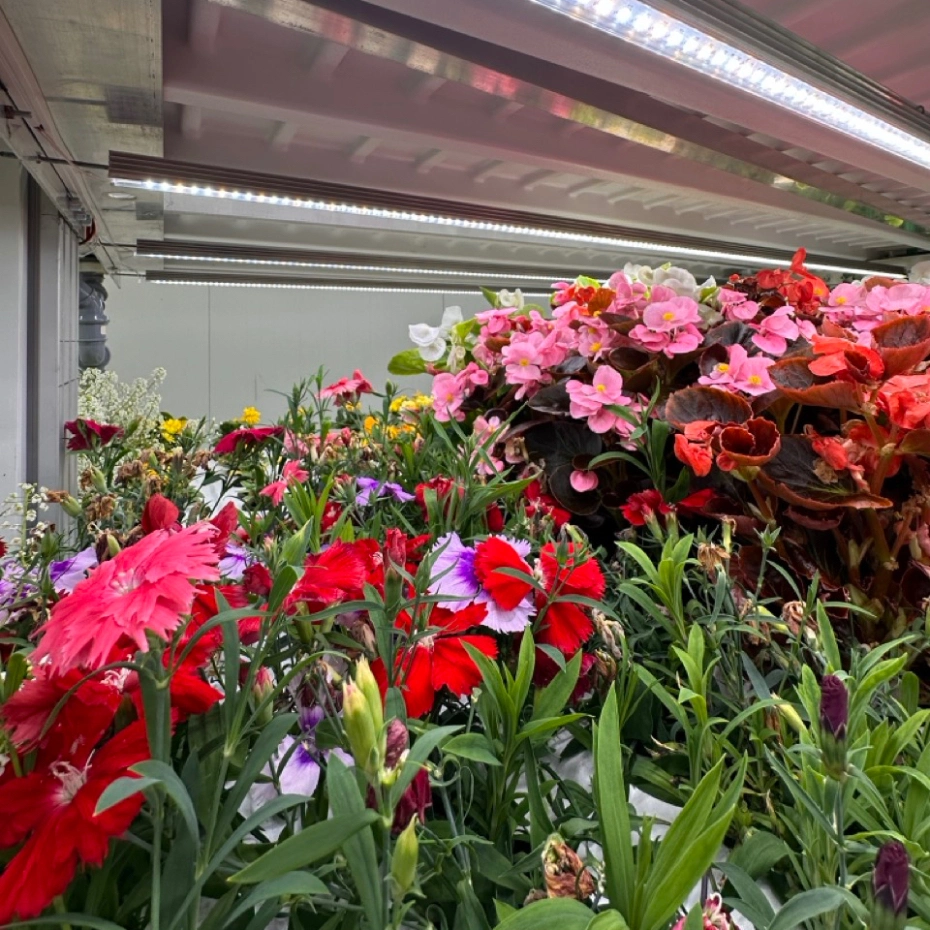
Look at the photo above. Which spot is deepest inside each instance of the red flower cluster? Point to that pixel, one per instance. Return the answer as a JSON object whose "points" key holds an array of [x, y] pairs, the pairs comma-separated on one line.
{"points": [[246, 438]]}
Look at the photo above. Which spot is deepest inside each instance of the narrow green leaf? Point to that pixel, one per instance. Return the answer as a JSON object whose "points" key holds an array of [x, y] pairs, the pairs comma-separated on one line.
{"points": [[121, 789], [611, 797], [175, 789], [474, 746], [361, 855], [551, 699], [807, 905], [312, 844], [417, 756]]}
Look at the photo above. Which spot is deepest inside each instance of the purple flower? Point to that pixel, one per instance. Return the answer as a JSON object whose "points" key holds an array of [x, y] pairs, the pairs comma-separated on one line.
{"points": [[834, 718], [235, 562], [834, 706], [369, 488], [66, 574], [453, 572], [890, 885]]}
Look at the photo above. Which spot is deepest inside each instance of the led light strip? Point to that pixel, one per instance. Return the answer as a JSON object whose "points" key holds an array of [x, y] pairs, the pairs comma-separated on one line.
{"points": [[638, 23], [338, 266], [354, 288], [760, 261]]}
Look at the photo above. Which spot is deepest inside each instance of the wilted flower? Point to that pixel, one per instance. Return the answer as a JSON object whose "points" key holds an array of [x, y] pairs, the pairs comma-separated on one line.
{"points": [[566, 875], [715, 917]]}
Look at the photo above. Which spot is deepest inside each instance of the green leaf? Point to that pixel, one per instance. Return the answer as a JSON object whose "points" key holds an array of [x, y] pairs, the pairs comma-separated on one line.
{"points": [[474, 746], [750, 894], [61, 920], [807, 905], [310, 845], [407, 363], [175, 789], [608, 920], [285, 580], [417, 756], [759, 854], [549, 914], [361, 855], [611, 801], [121, 789], [526, 663], [551, 699]]}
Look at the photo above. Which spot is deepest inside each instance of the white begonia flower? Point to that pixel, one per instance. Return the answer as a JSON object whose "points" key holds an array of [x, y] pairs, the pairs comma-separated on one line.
{"points": [[642, 273], [431, 341], [920, 273], [679, 280], [456, 360], [511, 299]]}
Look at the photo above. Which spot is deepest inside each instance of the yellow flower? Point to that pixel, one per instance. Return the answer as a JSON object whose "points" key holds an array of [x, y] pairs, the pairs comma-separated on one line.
{"points": [[398, 403], [251, 416], [370, 423], [172, 428]]}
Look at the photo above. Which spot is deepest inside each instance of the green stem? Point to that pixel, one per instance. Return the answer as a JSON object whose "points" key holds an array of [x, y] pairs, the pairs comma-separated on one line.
{"points": [[158, 824], [839, 822], [59, 904]]}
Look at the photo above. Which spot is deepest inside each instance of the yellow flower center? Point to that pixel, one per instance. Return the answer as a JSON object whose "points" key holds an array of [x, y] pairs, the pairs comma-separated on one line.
{"points": [[595, 347], [754, 379], [668, 315], [524, 362], [723, 367], [601, 388], [841, 300]]}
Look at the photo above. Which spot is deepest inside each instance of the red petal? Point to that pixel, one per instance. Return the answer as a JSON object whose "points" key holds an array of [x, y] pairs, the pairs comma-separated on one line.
{"points": [[413, 678], [565, 626], [454, 667], [494, 554]]}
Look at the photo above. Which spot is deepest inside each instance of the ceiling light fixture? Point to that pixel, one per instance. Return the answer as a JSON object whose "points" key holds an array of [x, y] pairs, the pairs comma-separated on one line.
{"points": [[657, 32], [162, 176], [173, 250], [311, 284]]}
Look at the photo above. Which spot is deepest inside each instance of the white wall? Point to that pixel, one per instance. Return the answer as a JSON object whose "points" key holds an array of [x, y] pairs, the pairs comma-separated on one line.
{"points": [[13, 323], [227, 347]]}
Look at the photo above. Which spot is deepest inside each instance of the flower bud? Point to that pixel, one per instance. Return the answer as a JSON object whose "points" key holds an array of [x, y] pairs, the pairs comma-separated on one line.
{"points": [[159, 514], [890, 888], [398, 741], [359, 727], [98, 480], [70, 506], [369, 687], [834, 717], [113, 545], [404, 860]]}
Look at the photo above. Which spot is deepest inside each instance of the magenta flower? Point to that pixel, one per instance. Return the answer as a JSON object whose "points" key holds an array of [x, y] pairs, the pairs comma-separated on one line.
{"points": [[523, 362], [669, 326], [582, 480], [591, 402], [775, 332], [448, 397], [292, 474], [741, 372], [146, 589]]}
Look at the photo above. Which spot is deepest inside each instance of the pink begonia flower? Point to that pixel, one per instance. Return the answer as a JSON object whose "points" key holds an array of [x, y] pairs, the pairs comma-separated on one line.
{"points": [[847, 295], [594, 339], [472, 376], [292, 474], [741, 372], [775, 332], [448, 397], [495, 321], [486, 433], [523, 361], [669, 326], [583, 481], [591, 402], [900, 298], [735, 306]]}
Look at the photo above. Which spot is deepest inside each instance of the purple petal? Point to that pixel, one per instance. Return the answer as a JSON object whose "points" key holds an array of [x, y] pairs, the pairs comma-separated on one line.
{"points": [[300, 774], [506, 621], [398, 492], [66, 574], [453, 571]]}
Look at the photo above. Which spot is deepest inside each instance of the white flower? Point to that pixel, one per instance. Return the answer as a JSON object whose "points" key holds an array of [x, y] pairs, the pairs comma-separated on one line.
{"points": [[431, 341], [642, 273], [456, 360], [920, 273], [511, 299]]}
